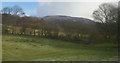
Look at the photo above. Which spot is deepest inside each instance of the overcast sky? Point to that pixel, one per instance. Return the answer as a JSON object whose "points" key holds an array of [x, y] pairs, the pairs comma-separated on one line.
{"points": [[75, 8], [59, 0]]}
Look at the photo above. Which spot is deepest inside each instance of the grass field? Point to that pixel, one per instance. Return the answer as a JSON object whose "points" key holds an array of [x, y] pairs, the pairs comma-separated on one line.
{"points": [[21, 48]]}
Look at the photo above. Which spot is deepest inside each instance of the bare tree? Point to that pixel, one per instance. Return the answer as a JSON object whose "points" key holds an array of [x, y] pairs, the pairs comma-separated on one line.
{"points": [[6, 10], [17, 10], [107, 14]]}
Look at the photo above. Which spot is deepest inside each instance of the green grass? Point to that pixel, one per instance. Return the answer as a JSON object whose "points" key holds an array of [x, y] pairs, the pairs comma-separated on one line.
{"points": [[25, 48], [0, 47]]}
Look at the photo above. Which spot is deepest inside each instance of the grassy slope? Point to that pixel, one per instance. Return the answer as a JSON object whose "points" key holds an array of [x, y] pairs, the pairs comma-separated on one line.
{"points": [[0, 40], [35, 48]]}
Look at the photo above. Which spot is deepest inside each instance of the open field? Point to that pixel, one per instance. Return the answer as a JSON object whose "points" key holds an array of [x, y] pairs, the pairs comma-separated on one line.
{"points": [[21, 48]]}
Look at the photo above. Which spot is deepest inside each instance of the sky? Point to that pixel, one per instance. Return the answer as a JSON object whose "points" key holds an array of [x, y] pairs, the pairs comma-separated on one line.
{"points": [[54, 7], [30, 8], [59, 0], [75, 9]]}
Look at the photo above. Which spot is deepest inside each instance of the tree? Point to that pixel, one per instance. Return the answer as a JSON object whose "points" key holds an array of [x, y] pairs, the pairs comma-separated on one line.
{"points": [[9, 20], [106, 12], [17, 10], [6, 10], [107, 15]]}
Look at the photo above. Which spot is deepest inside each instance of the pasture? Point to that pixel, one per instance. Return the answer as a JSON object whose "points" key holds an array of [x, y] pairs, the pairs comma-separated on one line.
{"points": [[31, 48]]}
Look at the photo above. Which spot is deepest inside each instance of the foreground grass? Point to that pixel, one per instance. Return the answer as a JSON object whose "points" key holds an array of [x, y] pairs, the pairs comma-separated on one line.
{"points": [[21, 48]]}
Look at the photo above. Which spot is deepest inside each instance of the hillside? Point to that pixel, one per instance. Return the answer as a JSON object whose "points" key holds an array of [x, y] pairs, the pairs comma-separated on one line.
{"points": [[58, 26], [71, 23], [73, 26]]}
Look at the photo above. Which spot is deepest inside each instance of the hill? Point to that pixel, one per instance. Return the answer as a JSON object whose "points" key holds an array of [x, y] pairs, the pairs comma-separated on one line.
{"points": [[71, 23], [58, 26]]}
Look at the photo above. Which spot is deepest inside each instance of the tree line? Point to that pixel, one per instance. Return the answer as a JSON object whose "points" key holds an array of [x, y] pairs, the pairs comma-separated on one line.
{"points": [[14, 21], [15, 10]]}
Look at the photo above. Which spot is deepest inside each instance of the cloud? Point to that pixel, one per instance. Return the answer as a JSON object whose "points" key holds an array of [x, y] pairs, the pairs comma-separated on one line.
{"points": [[77, 9], [19, 0], [59, 0], [78, 0]]}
